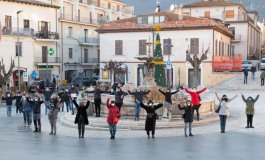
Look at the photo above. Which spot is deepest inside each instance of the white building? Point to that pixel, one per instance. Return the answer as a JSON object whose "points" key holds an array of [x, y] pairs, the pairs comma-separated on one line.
{"points": [[243, 24], [38, 33], [126, 39]]}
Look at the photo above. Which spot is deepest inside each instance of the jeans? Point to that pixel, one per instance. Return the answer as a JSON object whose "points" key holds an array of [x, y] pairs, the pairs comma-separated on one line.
{"points": [[249, 120], [71, 105], [223, 121], [63, 107], [186, 127], [67, 105], [137, 110], [8, 110], [262, 82], [252, 75], [53, 125], [28, 117], [245, 79], [112, 129], [48, 104]]}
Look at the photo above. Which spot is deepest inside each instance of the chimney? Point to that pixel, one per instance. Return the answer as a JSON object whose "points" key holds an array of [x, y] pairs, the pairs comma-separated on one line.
{"points": [[180, 12]]}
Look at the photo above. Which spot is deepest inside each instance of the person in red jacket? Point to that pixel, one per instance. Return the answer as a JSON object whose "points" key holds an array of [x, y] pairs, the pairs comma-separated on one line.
{"points": [[112, 118], [195, 99]]}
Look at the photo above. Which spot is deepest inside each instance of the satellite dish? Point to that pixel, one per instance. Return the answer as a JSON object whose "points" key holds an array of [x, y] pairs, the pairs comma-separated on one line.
{"points": [[172, 7], [157, 9]]}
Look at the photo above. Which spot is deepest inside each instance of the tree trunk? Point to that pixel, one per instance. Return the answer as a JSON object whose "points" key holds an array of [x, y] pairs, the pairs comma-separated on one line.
{"points": [[195, 76]]}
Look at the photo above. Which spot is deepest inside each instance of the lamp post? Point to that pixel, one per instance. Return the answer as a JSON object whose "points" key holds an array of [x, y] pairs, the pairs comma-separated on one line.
{"points": [[168, 64], [18, 49]]}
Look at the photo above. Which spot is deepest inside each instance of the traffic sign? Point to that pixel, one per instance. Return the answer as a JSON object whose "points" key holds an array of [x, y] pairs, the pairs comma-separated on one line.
{"points": [[80, 70], [25, 76], [51, 51], [168, 65], [33, 75], [57, 76]]}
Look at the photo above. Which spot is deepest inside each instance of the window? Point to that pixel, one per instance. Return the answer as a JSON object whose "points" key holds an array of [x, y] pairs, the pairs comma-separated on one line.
{"points": [[233, 50], [70, 53], [233, 30], [118, 47], [142, 47], [194, 46], [230, 14], [80, 1], [207, 14], [44, 27], [79, 14], [85, 55], [26, 23], [19, 48], [216, 47], [150, 20], [220, 48], [228, 49], [166, 47], [70, 31], [223, 49], [109, 6], [186, 13], [85, 32], [8, 22], [118, 8]]}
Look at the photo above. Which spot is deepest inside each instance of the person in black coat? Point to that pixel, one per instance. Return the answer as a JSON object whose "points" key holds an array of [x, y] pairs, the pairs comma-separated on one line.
{"points": [[168, 100], [97, 99], [245, 71], [150, 122], [36, 108], [187, 116], [18, 97], [9, 99], [119, 96], [81, 117]]}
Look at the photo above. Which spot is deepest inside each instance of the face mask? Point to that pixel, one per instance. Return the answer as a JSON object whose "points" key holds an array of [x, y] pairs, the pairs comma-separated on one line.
{"points": [[150, 105], [138, 90], [112, 104], [250, 100], [36, 99], [8, 95]]}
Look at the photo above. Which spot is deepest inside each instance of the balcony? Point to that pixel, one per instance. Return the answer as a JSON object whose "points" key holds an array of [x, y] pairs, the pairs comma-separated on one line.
{"points": [[15, 31], [78, 19], [89, 41], [103, 19], [237, 38], [46, 36], [53, 60], [91, 61]]}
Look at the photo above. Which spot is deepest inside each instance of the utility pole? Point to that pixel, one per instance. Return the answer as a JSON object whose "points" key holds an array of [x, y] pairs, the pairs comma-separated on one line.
{"points": [[18, 49]]}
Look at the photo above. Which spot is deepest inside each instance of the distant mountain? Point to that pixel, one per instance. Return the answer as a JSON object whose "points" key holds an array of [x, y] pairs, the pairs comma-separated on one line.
{"points": [[148, 6]]}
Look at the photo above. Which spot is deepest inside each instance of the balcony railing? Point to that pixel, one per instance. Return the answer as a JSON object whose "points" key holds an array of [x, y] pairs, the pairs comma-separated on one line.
{"points": [[92, 41], [50, 60], [237, 38], [88, 60], [15, 31], [238, 17], [47, 35], [78, 19]]}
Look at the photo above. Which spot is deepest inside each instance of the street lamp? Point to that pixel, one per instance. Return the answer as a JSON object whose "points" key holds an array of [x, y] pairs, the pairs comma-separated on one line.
{"points": [[168, 64], [18, 49]]}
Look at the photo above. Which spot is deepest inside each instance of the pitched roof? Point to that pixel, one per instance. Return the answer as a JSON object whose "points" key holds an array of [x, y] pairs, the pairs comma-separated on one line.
{"points": [[171, 22], [33, 2], [211, 4]]}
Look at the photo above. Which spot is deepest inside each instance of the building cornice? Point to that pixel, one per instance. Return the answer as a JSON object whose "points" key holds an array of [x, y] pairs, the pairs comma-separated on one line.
{"points": [[35, 3]]}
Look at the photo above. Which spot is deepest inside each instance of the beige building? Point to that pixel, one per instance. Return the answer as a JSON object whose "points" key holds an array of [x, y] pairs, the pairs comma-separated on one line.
{"points": [[38, 32]]}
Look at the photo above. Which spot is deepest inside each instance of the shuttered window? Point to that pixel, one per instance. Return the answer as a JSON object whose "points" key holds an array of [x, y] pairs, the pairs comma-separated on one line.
{"points": [[166, 48], [142, 47], [207, 14], [230, 14], [194, 46], [118, 47]]}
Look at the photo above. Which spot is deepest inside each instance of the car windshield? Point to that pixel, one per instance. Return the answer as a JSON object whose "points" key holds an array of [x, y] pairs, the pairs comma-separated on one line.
{"points": [[246, 62], [263, 61]]}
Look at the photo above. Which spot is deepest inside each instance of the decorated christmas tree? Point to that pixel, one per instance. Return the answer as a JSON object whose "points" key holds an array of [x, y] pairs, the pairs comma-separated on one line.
{"points": [[160, 77]]}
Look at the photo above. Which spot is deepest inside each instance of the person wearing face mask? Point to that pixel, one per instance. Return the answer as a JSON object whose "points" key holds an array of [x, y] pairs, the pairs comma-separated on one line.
{"points": [[81, 116], [119, 96], [73, 94], [97, 99], [195, 99], [47, 96], [250, 109], [18, 97], [36, 108], [168, 100], [22, 104], [62, 97], [187, 117], [27, 110], [112, 118], [53, 112], [223, 110], [67, 99], [138, 95], [9, 99], [150, 122]]}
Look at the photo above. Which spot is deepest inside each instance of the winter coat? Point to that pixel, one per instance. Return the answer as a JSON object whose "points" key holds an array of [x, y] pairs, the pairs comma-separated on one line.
{"points": [[67, 96], [150, 121], [35, 105], [262, 75], [27, 107], [189, 110], [245, 72], [168, 95], [253, 69], [62, 96], [47, 94], [97, 94], [54, 108], [224, 105], [138, 95], [250, 109], [113, 112], [8, 100], [195, 99], [118, 96], [18, 98], [54, 101], [81, 111]]}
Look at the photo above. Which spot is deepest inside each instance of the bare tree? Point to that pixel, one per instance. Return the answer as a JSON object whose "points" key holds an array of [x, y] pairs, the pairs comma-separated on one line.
{"points": [[4, 74], [195, 61], [113, 67]]}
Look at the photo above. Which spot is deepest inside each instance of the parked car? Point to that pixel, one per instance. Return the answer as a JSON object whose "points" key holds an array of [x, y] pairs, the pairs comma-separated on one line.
{"points": [[95, 78], [246, 64], [262, 64], [33, 86], [80, 80], [89, 82]]}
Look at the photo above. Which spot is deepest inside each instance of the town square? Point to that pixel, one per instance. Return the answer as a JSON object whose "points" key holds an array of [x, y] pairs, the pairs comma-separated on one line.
{"points": [[132, 79]]}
